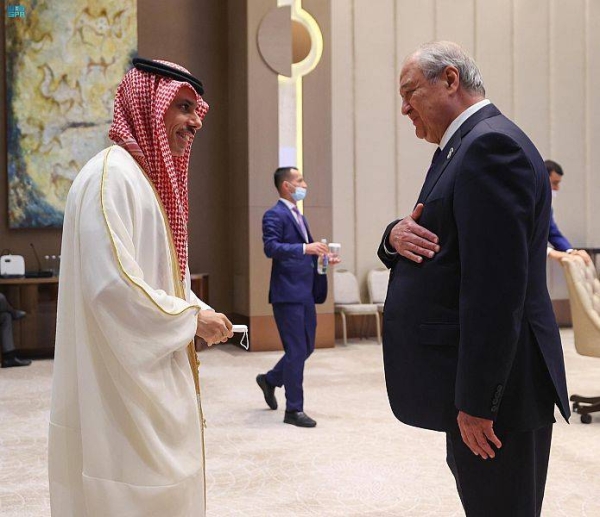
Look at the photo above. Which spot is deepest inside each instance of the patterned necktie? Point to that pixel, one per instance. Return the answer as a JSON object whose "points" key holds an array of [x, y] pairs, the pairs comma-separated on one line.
{"points": [[300, 220], [438, 151], [425, 188]]}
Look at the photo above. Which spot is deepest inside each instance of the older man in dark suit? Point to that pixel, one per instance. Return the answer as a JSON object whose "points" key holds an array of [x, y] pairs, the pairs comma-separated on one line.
{"points": [[471, 346], [287, 240]]}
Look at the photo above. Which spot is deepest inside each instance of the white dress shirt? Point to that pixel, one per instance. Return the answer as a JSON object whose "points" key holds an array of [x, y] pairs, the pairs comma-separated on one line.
{"points": [[458, 121]]}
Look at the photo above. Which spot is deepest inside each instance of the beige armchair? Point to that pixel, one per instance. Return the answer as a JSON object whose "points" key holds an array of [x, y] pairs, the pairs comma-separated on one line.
{"points": [[347, 302], [584, 293], [377, 283]]}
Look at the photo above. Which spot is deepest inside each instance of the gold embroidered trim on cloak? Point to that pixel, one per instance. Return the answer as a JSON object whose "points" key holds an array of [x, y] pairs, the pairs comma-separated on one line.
{"points": [[179, 292], [178, 286]]}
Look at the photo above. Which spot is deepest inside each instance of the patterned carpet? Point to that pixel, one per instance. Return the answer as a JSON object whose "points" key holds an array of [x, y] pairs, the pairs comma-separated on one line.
{"points": [[358, 462]]}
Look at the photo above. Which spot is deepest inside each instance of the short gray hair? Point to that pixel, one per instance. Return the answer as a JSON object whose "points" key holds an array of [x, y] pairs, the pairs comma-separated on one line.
{"points": [[434, 57]]}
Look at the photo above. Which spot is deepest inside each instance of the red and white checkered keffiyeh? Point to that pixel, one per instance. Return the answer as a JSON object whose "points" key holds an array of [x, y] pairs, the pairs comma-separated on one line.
{"points": [[138, 125]]}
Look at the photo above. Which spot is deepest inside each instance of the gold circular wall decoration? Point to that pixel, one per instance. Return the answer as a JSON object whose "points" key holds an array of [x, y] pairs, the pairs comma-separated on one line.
{"points": [[301, 42], [275, 41], [283, 41]]}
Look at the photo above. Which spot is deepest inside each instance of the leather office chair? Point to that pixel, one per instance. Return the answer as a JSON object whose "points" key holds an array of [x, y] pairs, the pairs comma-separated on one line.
{"points": [[584, 293], [347, 302]]}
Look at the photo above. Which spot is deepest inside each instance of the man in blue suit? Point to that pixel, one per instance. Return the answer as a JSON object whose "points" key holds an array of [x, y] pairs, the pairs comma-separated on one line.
{"points": [[287, 240], [559, 244], [558, 241], [471, 346]]}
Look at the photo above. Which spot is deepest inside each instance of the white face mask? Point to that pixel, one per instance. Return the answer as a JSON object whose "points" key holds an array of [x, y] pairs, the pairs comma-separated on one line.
{"points": [[300, 194], [554, 194]]}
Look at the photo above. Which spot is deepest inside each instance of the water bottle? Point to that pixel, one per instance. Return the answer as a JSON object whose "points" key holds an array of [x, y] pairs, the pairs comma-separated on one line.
{"points": [[323, 261]]}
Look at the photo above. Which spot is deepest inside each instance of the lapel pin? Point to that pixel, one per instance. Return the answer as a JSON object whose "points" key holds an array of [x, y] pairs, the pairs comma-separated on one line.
{"points": [[450, 153]]}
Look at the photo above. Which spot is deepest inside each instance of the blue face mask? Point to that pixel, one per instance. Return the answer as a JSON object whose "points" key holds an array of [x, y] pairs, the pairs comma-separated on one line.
{"points": [[300, 194]]}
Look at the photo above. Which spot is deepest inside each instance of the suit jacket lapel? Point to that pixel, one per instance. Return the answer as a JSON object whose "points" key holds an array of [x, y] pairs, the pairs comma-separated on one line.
{"points": [[283, 207], [310, 239], [438, 168], [452, 147]]}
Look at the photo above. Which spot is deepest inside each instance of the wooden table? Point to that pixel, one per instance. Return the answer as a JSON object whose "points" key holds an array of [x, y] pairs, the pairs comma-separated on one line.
{"points": [[199, 284], [34, 334]]}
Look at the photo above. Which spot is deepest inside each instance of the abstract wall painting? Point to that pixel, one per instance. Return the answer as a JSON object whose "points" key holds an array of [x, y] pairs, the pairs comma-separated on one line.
{"points": [[64, 61]]}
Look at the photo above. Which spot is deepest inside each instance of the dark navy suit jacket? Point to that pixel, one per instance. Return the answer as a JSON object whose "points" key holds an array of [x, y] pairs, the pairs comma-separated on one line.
{"points": [[292, 272], [473, 328], [556, 238]]}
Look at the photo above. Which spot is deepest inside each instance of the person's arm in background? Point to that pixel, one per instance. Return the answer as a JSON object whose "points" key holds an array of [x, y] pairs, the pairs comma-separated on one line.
{"points": [[559, 255], [556, 254], [561, 247], [555, 237]]}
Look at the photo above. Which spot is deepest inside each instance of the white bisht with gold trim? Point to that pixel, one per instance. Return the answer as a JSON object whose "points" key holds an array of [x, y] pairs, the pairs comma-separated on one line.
{"points": [[125, 428]]}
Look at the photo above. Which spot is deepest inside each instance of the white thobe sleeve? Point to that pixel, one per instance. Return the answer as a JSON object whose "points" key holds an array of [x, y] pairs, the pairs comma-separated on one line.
{"points": [[127, 271]]}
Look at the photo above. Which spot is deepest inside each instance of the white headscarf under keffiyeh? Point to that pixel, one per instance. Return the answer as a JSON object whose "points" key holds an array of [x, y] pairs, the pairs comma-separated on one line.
{"points": [[138, 125]]}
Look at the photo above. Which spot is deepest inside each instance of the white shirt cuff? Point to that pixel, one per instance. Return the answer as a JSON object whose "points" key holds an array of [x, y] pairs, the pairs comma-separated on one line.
{"points": [[388, 251]]}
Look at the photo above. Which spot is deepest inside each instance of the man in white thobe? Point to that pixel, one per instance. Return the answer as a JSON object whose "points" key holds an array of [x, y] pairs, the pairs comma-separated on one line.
{"points": [[126, 428]]}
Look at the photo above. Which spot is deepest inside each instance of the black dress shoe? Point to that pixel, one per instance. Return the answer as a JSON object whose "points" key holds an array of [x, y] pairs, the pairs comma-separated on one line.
{"points": [[268, 390], [9, 362], [18, 315], [299, 418]]}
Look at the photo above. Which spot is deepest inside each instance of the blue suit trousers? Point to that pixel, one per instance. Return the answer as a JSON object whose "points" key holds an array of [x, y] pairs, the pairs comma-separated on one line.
{"points": [[297, 324]]}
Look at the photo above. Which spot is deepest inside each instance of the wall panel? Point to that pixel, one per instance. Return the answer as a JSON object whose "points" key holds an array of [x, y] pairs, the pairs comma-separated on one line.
{"points": [[592, 179], [494, 48], [415, 23], [568, 112], [342, 120], [531, 64], [375, 102], [455, 21]]}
